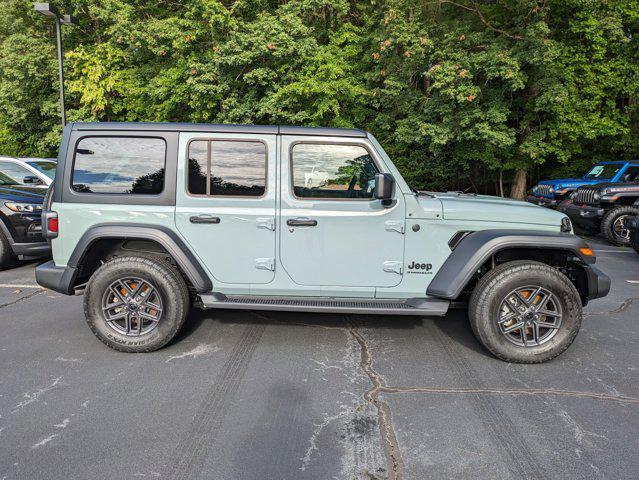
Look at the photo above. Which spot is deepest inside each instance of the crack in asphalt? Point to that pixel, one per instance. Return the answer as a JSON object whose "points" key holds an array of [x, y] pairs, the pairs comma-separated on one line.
{"points": [[625, 305], [389, 439], [21, 299]]}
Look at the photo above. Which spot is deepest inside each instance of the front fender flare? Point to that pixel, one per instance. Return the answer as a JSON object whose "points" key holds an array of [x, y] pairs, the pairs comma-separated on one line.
{"points": [[478, 247]]}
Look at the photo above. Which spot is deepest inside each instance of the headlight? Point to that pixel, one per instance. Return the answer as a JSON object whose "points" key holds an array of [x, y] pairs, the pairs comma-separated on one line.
{"points": [[573, 194], [23, 207], [597, 196], [551, 190], [566, 225]]}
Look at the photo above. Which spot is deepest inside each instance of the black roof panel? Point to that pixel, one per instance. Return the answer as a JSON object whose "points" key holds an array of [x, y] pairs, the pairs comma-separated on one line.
{"points": [[219, 128]]}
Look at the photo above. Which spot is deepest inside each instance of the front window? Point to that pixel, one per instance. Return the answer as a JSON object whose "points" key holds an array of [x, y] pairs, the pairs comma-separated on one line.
{"points": [[603, 171], [48, 168], [333, 171], [124, 165], [15, 172], [6, 180]]}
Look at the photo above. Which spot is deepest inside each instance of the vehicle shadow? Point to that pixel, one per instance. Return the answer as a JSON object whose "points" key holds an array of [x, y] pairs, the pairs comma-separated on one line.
{"points": [[454, 325]]}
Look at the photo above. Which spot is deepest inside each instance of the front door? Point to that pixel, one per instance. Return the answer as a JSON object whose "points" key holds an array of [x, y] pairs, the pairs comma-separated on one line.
{"points": [[225, 204], [333, 232]]}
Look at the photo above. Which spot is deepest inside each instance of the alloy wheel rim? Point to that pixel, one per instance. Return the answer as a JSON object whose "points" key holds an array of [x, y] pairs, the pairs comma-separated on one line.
{"points": [[620, 228], [132, 306], [530, 316]]}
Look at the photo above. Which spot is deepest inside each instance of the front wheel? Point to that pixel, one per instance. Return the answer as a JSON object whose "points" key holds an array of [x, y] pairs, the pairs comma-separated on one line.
{"points": [[615, 225], [525, 312], [136, 304]]}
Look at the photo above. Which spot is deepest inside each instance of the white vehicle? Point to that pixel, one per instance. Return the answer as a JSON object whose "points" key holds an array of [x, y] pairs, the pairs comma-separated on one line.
{"points": [[36, 172], [315, 178]]}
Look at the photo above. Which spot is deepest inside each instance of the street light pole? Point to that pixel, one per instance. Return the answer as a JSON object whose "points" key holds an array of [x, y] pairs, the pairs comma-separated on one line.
{"points": [[51, 12], [58, 34]]}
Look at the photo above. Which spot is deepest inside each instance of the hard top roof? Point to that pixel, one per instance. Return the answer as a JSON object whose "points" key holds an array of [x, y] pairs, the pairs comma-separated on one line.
{"points": [[219, 128]]}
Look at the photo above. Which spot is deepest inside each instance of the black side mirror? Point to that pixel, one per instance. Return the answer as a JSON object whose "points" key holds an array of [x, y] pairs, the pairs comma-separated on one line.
{"points": [[626, 178], [31, 179], [384, 186]]}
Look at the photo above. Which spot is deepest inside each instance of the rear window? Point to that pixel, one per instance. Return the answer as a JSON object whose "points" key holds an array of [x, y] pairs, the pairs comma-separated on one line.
{"points": [[227, 168], [124, 165]]}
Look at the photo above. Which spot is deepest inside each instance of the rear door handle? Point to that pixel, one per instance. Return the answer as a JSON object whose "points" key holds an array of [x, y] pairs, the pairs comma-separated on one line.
{"points": [[301, 222], [204, 219]]}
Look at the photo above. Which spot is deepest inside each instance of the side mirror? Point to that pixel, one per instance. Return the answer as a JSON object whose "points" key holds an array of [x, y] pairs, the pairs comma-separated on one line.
{"points": [[626, 178], [384, 186], [32, 179]]}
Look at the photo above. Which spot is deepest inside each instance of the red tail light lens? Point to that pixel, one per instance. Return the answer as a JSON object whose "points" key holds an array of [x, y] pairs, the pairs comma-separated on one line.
{"points": [[53, 225]]}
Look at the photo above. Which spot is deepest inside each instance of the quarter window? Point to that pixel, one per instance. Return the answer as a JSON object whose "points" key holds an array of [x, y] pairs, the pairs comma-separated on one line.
{"points": [[333, 171], [124, 165], [227, 168]]}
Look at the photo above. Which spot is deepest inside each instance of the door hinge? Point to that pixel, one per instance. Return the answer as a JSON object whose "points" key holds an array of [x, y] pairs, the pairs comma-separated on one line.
{"points": [[266, 222], [265, 264], [394, 226], [392, 266]]}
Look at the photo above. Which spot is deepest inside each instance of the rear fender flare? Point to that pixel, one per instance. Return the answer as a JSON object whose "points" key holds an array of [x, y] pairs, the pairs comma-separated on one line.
{"points": [[164, 236]]}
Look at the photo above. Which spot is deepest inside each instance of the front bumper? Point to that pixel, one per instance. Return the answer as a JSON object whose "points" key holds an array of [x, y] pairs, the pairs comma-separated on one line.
{"points": [[542, 201], [598, 283], [28, 251], [582, 215], [58, 279]]}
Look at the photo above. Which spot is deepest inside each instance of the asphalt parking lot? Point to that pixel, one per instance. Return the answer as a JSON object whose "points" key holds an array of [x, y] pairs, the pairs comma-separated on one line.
{"points": [[254, 395]]}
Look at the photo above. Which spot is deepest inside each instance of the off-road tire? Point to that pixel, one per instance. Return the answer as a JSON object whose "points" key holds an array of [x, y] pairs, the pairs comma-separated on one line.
{"points": [[492, 288], [608, 220], [7, 257], [168, 281]]}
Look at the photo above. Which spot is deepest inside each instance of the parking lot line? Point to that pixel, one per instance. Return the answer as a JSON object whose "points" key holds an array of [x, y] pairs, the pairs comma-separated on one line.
{"points": [[632, 281], [18, 285]]}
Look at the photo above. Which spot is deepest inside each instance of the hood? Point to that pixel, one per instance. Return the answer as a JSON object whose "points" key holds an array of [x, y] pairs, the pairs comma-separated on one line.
{"points": [[600, 185], [21, 194], [459, 206], [568, 182]]}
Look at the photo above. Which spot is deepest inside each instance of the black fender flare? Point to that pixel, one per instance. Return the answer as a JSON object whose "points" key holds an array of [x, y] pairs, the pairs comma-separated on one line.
{"points": [[478, 247], [164, 236]]}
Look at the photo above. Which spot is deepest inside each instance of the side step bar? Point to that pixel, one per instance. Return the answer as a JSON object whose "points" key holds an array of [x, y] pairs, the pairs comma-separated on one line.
{"points": [[434, 307]]}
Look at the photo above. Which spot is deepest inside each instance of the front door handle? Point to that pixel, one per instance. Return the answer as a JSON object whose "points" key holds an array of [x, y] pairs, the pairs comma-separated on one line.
{"points": [[204, 219], [301, 222]]}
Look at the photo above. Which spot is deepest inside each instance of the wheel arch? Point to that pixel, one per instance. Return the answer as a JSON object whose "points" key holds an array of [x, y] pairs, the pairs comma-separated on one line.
{"points": [[480, 251], [104, 240]]}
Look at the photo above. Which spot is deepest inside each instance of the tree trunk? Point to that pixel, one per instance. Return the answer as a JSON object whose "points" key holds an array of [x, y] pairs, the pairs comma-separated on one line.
{"points": [[518, 190]]}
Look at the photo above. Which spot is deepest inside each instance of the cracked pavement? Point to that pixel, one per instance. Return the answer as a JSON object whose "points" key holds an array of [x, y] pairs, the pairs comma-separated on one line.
{"points": [[268, 395]]}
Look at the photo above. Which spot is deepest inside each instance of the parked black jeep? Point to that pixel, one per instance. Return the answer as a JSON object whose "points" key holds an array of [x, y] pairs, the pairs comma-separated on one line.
{"points": [[20, 223], [605, 207]]}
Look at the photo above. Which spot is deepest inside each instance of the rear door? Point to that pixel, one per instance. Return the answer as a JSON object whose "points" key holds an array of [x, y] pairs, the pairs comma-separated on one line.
{"points": [[225, 204]]}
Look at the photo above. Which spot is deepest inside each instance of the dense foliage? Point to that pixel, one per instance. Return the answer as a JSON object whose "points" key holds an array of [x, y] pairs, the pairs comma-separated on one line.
{"points": [[463, 94]]}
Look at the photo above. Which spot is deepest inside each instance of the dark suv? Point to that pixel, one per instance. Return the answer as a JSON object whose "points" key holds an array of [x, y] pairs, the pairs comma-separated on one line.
{"points": [[20, 224], [605, 207]]}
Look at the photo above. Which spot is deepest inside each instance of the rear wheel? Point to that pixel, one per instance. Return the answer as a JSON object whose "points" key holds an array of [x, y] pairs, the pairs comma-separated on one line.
{"points": [[136, 304], [615, 225], [525, 312]]}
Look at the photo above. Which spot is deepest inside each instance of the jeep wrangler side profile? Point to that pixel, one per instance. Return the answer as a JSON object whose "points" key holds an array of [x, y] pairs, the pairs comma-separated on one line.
{"points": [[150, 219], [605, 207], [550, 193]]}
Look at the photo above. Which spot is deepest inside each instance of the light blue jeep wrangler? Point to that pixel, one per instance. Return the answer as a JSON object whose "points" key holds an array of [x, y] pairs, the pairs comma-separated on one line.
{"points": [[151, 219]]}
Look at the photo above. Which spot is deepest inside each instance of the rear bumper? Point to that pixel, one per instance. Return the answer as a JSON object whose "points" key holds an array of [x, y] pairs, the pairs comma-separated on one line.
{"points": [[583, 215], [542, 201], [58, 279]]}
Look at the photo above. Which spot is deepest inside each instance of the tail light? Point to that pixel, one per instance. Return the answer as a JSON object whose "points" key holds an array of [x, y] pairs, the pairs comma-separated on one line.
{"points": [[50, 224]]}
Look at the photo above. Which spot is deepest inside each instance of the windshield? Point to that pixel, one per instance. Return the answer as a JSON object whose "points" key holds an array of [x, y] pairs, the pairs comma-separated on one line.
{"points": [[6, 180], [48, 168], [603, 171]]}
